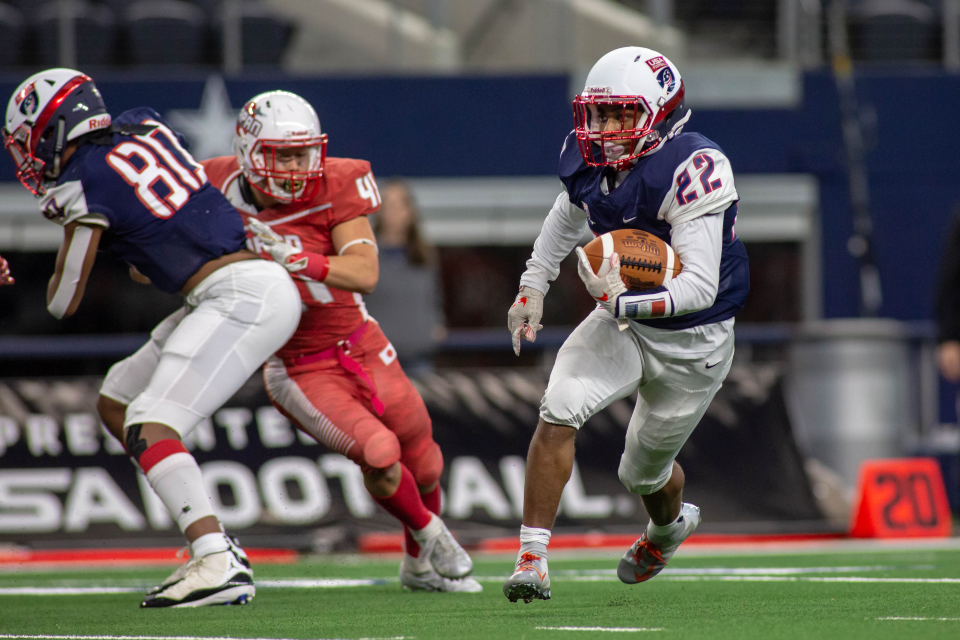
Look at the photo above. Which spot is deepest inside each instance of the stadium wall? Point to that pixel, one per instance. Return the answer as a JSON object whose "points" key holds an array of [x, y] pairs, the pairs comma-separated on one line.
{"points": [[64, 481]]}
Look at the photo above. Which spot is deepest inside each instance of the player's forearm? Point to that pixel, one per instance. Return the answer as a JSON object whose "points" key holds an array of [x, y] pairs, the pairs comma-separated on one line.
{"points": [[76, 257], [698, 243], [357, 273], [561, 232]]}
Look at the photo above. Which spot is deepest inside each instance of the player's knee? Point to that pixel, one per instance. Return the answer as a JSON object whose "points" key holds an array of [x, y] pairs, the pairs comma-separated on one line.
{"points": [[643, 481], [112, 413], [428, 465], [381, 450], [563, 403]]}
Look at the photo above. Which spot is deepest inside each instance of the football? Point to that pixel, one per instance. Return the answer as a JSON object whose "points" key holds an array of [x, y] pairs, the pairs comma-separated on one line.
{"points": [[646, 261]]}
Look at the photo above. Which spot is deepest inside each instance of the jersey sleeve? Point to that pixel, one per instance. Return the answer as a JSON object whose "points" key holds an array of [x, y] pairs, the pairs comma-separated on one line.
{"points": [[703, 183], [219, 169], [561, 232], [357, 194], [67, 202]]}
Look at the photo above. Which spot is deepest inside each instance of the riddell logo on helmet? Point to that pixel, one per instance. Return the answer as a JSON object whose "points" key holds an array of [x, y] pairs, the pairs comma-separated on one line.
{"points": [[27, 100], [603, 91], [657, 63], [99, 123]]}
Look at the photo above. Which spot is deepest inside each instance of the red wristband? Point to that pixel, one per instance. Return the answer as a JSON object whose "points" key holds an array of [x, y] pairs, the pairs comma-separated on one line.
{"points": [[318, 266]]}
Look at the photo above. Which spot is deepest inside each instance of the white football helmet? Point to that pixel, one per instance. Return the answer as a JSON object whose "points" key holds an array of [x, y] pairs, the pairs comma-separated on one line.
{"points": [[280, 147], [48, 110], [642, 90]]}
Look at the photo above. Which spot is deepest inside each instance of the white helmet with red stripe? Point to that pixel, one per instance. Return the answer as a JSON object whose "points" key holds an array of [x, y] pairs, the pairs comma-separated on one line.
{"points": [[632, 100], [48, 110], [280, 147]]}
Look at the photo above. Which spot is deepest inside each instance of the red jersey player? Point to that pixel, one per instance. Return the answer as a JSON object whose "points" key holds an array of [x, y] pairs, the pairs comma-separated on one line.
{"points": [[338, 378]]}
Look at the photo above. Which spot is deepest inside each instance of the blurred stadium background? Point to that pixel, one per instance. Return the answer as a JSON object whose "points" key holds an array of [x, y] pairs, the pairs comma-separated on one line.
{"points": [[848, 185]]}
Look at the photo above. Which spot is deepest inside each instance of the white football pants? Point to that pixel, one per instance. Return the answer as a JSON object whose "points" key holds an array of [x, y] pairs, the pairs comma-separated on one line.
{"points": [[676, 374], [202, 354]]}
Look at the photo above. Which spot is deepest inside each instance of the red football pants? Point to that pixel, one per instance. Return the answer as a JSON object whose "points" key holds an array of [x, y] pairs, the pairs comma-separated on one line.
{"points": [[333, 406]]}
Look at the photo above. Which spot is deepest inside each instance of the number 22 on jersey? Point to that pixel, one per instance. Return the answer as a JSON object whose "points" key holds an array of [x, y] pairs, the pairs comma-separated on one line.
{"points": [[158, 164], [705, 165]]}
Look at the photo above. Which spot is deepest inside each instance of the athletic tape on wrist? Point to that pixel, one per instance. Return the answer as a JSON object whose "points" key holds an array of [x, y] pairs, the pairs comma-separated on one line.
{"points": [[318, 266]]}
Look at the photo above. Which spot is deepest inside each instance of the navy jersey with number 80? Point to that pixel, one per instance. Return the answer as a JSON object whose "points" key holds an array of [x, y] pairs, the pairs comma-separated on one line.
{"points": [[159, 211]]}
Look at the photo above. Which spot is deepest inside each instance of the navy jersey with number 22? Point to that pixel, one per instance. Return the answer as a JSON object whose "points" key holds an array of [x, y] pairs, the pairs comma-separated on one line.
{"points": [[159, 211]]}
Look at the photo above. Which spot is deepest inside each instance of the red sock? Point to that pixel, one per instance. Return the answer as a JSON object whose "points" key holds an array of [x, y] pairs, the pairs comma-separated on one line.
{"points": [[405, 505], [431, 500]]}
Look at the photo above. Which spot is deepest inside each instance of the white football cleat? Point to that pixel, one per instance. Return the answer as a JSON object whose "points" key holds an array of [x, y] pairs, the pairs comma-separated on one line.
{"points": [[430, 580], [530, 579], [218, 578], [182, 570], [445, 554], [646, 559]]}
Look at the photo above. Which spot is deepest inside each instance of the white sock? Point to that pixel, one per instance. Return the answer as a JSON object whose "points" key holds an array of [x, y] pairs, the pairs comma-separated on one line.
{"points": [[659, 534], [179, 484], [209, 543], [534, 540], [430, 531]]}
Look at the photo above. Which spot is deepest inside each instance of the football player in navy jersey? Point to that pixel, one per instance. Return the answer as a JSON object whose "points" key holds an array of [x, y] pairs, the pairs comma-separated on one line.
{"points": [[128, 185], [628, 165]]}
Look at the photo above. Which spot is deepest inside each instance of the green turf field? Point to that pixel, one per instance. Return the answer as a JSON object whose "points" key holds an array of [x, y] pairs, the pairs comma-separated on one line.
{"points": [[845, 595]]}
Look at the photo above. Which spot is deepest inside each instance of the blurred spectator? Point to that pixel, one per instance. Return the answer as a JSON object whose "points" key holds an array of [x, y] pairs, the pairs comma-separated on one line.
{"points": [[408, 300], [5, 277], [948, 305]]}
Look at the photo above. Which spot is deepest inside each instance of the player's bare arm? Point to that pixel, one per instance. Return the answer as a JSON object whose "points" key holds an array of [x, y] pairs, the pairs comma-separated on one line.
{"points": [[355, 267], [74, 262]]}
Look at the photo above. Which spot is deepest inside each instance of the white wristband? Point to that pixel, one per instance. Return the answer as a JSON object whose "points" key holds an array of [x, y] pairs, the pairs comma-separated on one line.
{"points": [[645, 306]]}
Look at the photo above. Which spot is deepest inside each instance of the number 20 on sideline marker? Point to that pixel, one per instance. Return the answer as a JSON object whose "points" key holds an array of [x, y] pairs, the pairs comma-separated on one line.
{"points": [[901, 498]]}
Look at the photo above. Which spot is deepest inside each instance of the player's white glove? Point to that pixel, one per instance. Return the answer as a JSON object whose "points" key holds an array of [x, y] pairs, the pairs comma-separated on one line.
{"points": [[605, 287], [278, 248], [523, 318]]}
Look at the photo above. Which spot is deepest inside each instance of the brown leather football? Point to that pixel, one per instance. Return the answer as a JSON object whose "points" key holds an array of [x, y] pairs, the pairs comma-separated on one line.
{"points": [[646, 261]]}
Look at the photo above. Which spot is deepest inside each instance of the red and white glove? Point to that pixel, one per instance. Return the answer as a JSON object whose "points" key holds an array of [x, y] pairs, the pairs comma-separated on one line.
{"points": [[5, 277], [606, 286], [523, 318], [312, 265], [608, 289]]}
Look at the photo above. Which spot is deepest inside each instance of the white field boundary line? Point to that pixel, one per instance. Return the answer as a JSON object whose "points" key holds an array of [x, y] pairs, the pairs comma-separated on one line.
{"points": [[293, 583], [751, 571], [903, 618], [611, 629], [269, 584], [334, 584], [46, 637]]}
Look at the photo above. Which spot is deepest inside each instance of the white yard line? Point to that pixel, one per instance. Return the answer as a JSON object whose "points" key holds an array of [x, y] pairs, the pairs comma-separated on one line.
{"points": [[46, 637], [758, 571], [269, 584], [295, 583], [920, 619], [64, 591], [708, 574], [612, 629]]}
